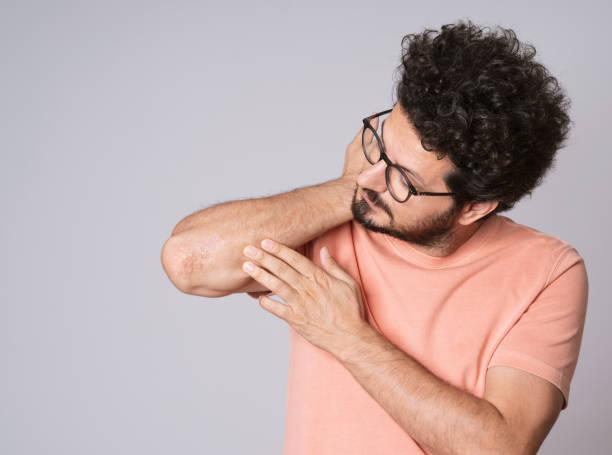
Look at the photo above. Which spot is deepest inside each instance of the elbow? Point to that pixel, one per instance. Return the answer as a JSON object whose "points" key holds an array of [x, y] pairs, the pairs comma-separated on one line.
{"points": [[179, 264], [173, 263]]}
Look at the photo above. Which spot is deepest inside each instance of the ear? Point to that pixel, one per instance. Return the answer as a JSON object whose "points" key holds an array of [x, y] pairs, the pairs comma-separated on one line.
{"points": [[473, 211]]}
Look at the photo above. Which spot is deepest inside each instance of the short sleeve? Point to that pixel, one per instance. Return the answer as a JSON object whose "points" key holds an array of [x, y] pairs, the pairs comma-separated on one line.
{"points": [[546, 339]]}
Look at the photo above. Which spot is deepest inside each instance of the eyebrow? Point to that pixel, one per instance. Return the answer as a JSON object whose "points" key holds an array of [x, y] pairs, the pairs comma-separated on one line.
{"points": [[410, 171]]}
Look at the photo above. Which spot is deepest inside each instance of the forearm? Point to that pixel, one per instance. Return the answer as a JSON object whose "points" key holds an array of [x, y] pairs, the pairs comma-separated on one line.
{"points": [[205, 249], [441, 418]]}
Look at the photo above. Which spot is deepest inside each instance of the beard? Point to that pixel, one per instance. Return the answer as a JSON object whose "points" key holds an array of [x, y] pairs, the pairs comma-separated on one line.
{"points": [[435, 231]]}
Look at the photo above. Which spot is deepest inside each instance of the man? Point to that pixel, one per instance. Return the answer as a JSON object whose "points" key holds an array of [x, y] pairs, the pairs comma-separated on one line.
{"points": [[434, 324]]}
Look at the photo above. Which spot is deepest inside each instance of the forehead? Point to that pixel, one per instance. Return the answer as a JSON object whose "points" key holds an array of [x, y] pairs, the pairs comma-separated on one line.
{"points": [[403, 143]]}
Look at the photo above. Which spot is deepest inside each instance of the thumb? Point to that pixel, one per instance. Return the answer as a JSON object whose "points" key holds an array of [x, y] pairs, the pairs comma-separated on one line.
{"points": [[331, 266]]}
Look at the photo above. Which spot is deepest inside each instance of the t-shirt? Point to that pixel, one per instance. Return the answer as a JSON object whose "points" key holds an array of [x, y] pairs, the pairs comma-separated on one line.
{"points": [[510, 295]]}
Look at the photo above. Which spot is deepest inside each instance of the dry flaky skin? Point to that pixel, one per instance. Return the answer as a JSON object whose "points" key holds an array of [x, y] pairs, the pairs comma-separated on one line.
{"points": [[194, 257]]}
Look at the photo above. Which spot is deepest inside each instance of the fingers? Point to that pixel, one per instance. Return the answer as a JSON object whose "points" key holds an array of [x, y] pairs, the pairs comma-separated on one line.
{"points": [[372, 148], [374, 123], [281, 255], [369, 136], [333, 268], [272, 282]]}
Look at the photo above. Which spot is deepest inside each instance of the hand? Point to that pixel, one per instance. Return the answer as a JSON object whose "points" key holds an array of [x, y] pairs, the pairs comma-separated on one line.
{"points": [[354, 159], [324, 305]]}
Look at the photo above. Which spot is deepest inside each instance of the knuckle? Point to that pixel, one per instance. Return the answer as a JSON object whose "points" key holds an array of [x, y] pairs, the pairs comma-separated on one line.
{"points": [[353, 287], [284, 289], [280, 285], [320, 278]]}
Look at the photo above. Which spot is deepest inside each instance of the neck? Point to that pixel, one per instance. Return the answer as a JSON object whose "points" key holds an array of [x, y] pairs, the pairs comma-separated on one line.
{"points": [[457, 237]]}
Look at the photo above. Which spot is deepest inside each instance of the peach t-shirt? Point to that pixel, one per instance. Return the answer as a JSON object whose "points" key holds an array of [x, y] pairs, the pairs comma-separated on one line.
{"points": [[510, 295]]}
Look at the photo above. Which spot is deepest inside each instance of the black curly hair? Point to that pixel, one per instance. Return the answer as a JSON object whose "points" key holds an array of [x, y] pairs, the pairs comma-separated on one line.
{"points": [[479, 98]]}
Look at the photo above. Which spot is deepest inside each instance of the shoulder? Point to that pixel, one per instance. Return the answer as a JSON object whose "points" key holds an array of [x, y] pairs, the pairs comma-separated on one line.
{"points": [[535, 244]]}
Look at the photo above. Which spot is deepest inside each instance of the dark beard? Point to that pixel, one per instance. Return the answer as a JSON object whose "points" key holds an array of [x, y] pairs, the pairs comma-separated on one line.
{"points": [[433, 232]]}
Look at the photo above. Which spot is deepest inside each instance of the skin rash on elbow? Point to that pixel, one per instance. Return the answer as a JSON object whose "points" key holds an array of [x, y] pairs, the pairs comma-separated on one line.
{"points": [[191, 257]]}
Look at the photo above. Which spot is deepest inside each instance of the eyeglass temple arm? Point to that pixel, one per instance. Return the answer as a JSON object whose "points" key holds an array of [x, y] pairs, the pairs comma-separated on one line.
{"points": [[425, 193], [367, 119]]}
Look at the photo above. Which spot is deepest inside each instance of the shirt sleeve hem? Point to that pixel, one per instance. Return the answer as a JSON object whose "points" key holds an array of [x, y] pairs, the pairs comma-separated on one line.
{"points": [[534, 366]]}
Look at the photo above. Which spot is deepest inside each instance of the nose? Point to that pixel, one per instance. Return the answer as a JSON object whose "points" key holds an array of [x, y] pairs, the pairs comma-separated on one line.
{"points": [[373, 177]]}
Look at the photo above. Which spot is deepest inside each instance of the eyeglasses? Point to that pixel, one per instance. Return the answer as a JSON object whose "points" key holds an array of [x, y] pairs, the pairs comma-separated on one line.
{"points": [[398, 183]]}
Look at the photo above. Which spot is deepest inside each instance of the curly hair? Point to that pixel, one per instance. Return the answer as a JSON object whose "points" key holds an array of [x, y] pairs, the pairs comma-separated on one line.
{"points": [[480, 99]]}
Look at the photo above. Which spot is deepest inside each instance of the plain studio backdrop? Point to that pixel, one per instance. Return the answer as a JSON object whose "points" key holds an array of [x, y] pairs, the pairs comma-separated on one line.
{"points": [[120, 118]]}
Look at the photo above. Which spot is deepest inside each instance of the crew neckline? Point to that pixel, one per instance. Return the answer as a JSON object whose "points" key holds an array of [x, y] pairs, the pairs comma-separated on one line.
{"points": [[460, 255]]}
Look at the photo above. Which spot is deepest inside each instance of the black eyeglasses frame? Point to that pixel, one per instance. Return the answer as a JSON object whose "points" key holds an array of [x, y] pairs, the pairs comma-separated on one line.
{"points": [[412, 190]]}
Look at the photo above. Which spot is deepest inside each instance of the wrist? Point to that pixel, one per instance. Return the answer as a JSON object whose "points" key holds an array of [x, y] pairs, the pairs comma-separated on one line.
{"points": [[359, 344]]}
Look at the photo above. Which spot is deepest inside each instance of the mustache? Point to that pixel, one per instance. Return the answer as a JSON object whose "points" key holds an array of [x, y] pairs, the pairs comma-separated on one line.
{"points": [[377, 201], [373, 197]]}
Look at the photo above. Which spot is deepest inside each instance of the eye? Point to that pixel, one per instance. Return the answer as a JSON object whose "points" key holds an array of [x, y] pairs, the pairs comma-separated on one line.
{"points": [[411, 182]]}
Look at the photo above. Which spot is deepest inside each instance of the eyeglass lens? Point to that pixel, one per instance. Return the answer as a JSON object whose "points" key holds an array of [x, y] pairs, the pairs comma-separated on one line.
{"points": [[398, 186]]}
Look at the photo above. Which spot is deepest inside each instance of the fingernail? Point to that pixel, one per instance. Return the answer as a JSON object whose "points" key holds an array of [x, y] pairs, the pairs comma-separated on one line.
{"points": [[325, 252], [268, 244], [251, 251]]}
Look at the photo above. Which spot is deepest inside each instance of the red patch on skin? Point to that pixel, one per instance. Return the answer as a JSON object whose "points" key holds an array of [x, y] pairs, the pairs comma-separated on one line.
{"points": [[194, 256]]}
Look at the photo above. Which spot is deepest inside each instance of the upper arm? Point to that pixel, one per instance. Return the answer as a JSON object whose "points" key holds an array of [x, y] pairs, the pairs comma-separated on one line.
{"points": [[529, 404]]}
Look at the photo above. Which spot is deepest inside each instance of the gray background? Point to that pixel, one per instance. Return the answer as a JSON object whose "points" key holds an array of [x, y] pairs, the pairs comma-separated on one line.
{"points": [[120, 118]]}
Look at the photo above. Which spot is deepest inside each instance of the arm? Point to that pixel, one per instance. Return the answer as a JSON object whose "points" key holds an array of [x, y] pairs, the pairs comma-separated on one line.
{"points": [[444, 419], [204, 254], [324, 305]]}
